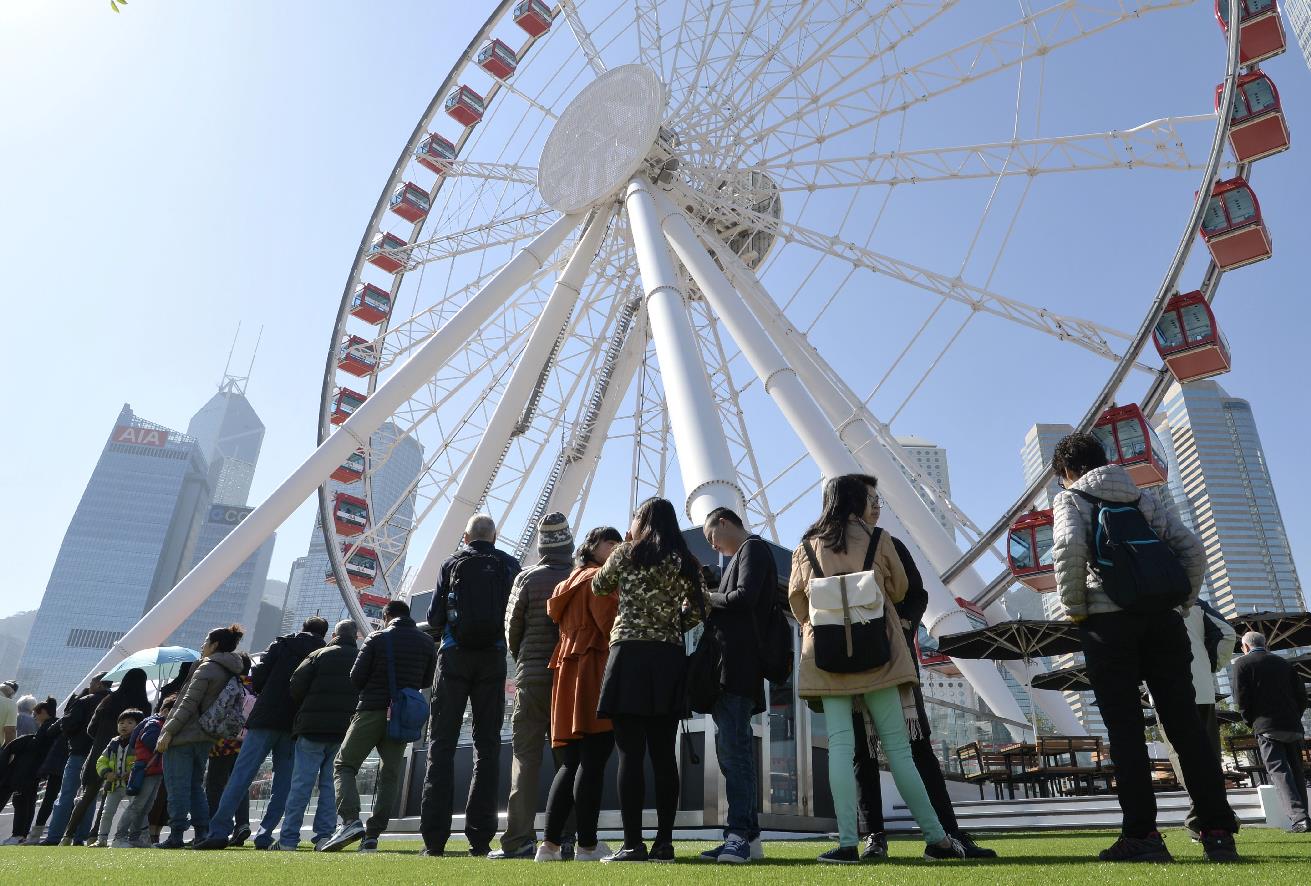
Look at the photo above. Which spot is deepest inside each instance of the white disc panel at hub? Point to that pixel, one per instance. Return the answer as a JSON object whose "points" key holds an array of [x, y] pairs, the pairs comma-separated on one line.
{"points": [[602, 138]]}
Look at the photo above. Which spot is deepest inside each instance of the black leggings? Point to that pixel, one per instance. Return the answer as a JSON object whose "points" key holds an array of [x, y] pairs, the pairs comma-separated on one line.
{"points": [[577, 787], [52, 783], [635, 737]]}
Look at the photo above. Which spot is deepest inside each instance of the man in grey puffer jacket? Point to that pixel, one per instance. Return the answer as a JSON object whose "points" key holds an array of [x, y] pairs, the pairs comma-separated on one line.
{"points": [[531, 637], [1122, 649]]}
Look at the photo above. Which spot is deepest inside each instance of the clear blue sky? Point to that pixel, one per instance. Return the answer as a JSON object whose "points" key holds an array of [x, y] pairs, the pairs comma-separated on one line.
{"points": [[181, 167]]}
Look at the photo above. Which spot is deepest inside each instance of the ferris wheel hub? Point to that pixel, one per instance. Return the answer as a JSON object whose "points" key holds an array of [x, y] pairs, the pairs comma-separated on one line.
{"points": [[602, 138]]}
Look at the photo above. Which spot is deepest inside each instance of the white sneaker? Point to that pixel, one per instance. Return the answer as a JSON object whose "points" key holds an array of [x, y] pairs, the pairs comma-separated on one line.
{"points": [[757, 850], [545, 854], [600, 851]]}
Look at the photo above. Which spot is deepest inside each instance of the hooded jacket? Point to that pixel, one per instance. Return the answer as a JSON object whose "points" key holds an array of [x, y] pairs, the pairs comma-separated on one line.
{"points": [[115, 762], [203, 687], [77, 719], [1080, 588], [530, 634], [322, 691], [271, 681], [579, 659]]}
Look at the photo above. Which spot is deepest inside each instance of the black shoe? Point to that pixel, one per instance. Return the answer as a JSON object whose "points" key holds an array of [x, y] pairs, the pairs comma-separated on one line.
{"points": [[626, 854], [240, 836], [172, 843], [876, 847], [433, 853], [480, 851], [1148, 848], [841, 855], [661, 851], [1219, 846], [568, 849], [210, 843], [1301, 827], [954, 849], [972, 849]]}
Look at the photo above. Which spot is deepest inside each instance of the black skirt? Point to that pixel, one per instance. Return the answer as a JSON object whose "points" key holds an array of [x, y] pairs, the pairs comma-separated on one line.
{"points": [[643, 678]]}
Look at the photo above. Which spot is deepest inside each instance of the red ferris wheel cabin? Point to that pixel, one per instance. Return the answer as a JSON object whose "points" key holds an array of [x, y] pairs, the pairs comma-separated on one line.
{"points": [[534, 16], [370, 303], [1189, 341], [373, 604], [350, 514], [1261, 33], [351, 469], [435, 153], [1232, 227], [381, 254], [1130, 442], [355, 355], [497, 59], [410, 202], [1029, 551], [345, 403], [361, 567], [465, 106], [1257, 127]]}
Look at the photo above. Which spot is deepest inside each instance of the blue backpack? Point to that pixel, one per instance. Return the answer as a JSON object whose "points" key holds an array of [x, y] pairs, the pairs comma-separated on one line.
{"points": [[408, 710]]}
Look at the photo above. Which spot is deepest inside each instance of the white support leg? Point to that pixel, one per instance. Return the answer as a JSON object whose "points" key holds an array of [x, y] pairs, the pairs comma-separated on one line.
{"points": [[196, 586], [486, 456], [907, 516], [703, 458]]}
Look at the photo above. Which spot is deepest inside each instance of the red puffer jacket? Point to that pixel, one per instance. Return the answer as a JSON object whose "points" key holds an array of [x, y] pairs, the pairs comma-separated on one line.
{"points": [[144, 747]]}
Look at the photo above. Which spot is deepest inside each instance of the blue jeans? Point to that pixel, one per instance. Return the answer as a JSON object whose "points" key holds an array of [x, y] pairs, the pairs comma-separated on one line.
{"points": [[184, 779], [313, 763], [735, 748], [255, 749], [68, 785]]}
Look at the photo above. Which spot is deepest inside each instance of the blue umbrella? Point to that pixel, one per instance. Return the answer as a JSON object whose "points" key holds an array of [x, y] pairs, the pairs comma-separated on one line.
{"points": [[157, 663]]}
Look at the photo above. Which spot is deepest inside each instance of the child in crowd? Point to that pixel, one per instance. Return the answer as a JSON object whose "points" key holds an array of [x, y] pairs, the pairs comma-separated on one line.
{"points": [[133, 824], [113, 768]]}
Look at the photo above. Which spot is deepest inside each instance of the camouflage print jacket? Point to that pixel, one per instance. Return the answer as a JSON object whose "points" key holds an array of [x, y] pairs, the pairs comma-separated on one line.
{"points": [[650, 598]]}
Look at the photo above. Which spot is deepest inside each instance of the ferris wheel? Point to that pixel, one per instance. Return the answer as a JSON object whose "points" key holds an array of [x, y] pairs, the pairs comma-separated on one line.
{"points": [[611, 258]]}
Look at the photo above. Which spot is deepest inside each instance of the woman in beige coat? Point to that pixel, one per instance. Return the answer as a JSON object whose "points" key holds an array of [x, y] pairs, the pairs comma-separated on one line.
{"points": [[840, 539]]}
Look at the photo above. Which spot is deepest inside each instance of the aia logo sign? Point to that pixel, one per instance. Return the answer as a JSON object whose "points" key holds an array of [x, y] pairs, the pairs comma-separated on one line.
{"points": [[139, 436]]}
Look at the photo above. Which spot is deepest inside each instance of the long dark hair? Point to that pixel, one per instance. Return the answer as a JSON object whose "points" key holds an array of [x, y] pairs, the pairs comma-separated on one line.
{"points": [[658, 538], [586, 553], [131, 690], [845, 497]]}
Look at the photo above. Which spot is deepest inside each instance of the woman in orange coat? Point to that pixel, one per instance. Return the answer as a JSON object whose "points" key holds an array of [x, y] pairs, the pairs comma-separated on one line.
{"points": [[584, 739]]}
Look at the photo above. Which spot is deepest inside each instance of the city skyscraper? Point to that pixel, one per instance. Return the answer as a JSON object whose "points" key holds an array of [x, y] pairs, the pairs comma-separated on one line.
{"points": [[931, 460], [1036, 454], [1220, 485], [132, 535], [392, 485], [230, 435], [1299, 17]]}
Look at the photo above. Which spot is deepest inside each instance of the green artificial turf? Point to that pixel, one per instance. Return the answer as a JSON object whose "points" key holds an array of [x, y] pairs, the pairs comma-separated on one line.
{"points": [[1047, 858]]}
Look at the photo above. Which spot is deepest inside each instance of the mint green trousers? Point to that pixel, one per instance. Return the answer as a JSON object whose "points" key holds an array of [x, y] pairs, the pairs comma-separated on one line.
{"points": [[885, 709]]}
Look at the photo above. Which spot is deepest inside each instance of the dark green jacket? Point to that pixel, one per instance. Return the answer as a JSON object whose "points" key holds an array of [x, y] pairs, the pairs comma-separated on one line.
{"points": [[322, 691]]}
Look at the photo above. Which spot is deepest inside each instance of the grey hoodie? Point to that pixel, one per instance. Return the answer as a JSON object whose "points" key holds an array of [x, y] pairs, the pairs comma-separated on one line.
{"points": [[1080, 589]]}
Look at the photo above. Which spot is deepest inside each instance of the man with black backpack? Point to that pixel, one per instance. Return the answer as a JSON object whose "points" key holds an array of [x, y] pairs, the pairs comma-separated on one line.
{"points": [[468, 610], [1126, 570], [747, 598]]}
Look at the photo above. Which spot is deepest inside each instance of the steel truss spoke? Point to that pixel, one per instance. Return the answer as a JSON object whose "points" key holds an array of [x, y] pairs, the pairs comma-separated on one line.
{"points": [[582, 36], [502, 232], [1032, 36], [1153, 145], [1084, 333]]}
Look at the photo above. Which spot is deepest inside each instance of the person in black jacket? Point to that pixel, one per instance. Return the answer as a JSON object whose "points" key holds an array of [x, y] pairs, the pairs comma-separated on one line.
{"points": [[325, 699], [20, 764], [1271, 697], [268, 731], [869, 790], [747, 588], [73, 725], [103, 728], [49, 773], [414, 661]]}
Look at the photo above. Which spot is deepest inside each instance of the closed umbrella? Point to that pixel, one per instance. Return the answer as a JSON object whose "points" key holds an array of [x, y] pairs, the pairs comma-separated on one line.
{"points": [[158, 663]]}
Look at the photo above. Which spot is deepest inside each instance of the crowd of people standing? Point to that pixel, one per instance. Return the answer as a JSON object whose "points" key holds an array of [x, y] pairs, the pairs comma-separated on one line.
{"points": [[597, 634]]}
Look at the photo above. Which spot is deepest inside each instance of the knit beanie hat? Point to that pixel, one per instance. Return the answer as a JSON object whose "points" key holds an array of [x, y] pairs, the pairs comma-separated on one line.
{"points": [[553, 533]]}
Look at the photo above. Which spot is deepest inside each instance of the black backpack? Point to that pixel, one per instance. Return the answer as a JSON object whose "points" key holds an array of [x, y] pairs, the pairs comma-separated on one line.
{"points": [[1137, 569], [475, 606]]}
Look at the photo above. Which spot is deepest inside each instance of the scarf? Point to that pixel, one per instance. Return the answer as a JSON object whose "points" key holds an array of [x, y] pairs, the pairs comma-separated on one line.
{"points": [[910, 712]]}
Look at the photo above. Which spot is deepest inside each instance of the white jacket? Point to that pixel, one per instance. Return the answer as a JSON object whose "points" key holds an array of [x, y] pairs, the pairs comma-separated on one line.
{"points": [[1203, 676], [1079, 587]]}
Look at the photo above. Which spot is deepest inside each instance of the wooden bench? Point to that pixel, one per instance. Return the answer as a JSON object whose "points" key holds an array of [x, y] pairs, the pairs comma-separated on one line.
{"points": [[979, 766], [1247, 757], [1070, 764]]}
